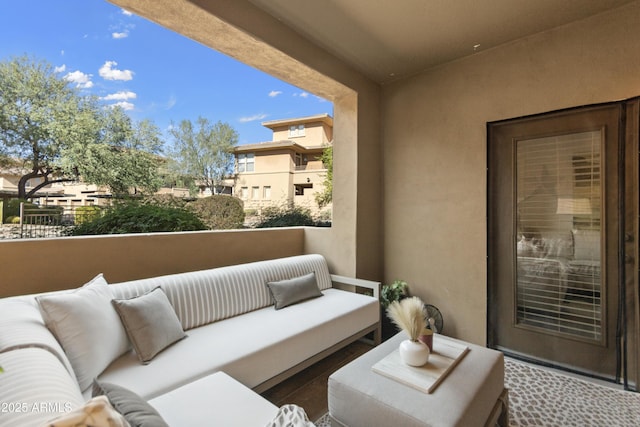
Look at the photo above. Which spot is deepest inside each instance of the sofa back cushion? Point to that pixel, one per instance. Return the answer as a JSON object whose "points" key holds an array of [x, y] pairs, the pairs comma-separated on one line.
{"points": [[22, 326], [206, 296], [35, 387]]}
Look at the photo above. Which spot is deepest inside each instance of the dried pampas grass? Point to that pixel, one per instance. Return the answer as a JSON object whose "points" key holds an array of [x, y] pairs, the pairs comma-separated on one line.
{"points": [[408, 315]]}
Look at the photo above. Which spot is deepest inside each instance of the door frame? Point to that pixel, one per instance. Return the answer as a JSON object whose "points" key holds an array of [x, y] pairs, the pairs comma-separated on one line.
{"points": [[622, 271]]}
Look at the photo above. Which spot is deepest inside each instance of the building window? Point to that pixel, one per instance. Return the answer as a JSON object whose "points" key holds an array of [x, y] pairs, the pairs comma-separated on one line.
{"points": [[255, 193], [246, 162], [296, 131], [301, 187], [266, 192], [244, 192]]}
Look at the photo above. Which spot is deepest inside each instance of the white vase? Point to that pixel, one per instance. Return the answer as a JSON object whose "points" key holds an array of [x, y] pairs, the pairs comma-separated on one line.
{"points": [[414, 353]]}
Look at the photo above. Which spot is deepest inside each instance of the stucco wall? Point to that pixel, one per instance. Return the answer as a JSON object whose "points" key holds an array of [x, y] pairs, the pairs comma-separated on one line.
{"points": [[434, 149], [40, 265]]}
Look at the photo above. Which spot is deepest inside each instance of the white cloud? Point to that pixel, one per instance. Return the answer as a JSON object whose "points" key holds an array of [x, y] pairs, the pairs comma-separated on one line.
{"points": [[120, 96], [171, 102], [302, 94], [107, 72], [127, 13], [124, 105], [60, 69], [62, 53], [121, 35], [275, 93], [252, 118], [81, 79]]}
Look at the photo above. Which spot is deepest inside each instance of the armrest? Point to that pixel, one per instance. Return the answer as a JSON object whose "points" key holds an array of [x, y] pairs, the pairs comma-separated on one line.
{"points": [[350, 281]]}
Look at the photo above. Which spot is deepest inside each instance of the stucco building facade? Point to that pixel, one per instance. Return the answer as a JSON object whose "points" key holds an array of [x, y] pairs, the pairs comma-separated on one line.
{"points": [[286, 171]]}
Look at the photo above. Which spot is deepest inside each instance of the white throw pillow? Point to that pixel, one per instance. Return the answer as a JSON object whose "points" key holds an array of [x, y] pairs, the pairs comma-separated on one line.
{"points": [[87, 326]]}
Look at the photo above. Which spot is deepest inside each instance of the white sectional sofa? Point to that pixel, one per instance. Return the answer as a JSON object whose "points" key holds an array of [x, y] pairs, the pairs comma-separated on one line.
{"points": [[227, 315]]}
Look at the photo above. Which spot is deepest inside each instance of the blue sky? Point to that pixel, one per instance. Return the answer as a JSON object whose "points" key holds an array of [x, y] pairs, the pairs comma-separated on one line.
{"points": [[152, 72]]}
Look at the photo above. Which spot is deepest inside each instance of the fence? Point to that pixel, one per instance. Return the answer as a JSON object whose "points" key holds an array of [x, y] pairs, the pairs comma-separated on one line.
{"points": [[50, 221]]}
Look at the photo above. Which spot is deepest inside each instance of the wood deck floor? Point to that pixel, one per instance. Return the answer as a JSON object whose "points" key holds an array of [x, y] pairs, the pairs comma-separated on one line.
{"points": [[308, 388]]}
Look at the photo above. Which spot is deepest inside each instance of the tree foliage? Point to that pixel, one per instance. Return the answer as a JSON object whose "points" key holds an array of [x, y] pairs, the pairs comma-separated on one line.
{"points": [[60, 135], [204, 151], [219, 212], [326, 196]]}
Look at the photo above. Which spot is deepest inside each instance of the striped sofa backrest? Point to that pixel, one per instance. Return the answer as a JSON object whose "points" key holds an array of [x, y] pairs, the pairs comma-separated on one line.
{"points": [[206, 296]]}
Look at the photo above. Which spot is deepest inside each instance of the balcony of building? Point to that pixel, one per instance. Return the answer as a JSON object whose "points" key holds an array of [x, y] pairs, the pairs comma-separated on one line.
{"points": [[410, 163]]}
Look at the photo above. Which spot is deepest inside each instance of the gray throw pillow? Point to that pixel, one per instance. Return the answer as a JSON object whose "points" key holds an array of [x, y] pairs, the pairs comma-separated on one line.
{"points": [[151, 323], [291, 291], [134, 408]]}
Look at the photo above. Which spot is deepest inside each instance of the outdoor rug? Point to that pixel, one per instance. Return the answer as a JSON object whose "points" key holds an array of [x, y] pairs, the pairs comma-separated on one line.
{"points": [[540, 397]]}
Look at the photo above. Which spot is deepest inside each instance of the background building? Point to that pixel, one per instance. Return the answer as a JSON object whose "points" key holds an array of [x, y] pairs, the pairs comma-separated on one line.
{"points": [[287, 170]]}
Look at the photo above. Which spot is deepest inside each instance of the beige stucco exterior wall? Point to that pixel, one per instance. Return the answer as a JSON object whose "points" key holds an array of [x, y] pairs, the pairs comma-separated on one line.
{"points": [[315, 134], [38, 265], [435, 149]]}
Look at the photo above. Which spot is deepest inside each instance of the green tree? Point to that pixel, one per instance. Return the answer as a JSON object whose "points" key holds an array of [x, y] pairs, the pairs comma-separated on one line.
{"points": [[204, 151], [60, 135], [326, 196], [126, 157]]}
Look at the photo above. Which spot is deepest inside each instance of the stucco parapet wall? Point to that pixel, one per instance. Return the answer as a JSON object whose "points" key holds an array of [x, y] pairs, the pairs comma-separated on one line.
{"points": [[48, 264]]}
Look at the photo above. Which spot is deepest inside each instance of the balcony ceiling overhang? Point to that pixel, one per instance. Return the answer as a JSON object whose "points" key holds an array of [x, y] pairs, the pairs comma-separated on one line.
{"points": [[383, 39], [387, 40]]}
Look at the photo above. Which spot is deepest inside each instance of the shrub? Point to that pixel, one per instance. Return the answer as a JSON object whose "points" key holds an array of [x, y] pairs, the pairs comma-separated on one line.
{"points": [[285, 217], [12, 220], [219, 212], [12, 207], [133, 217], [86, 214], [164, 200]]}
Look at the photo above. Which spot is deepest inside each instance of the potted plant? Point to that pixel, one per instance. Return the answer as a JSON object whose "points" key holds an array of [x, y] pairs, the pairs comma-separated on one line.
{"points": [[396, 291], [409, 316]]}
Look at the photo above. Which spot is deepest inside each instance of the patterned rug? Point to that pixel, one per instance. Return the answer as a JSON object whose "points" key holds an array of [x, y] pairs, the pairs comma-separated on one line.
{"points": [[539, 397]]}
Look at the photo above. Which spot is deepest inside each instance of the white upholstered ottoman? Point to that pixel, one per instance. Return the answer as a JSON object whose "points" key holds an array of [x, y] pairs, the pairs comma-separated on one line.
{"points": [[215, 400], [472, 394]]}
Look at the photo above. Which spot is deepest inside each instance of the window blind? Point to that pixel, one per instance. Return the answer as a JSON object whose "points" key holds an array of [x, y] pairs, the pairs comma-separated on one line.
{"points": [[558, 234]]}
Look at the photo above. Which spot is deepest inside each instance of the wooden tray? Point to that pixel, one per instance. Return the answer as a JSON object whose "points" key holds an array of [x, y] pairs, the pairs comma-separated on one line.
{"points": [[445, 356]]}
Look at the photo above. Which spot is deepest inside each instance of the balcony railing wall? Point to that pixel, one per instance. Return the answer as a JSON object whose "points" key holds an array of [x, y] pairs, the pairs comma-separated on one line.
{"points": [[41, 265]]}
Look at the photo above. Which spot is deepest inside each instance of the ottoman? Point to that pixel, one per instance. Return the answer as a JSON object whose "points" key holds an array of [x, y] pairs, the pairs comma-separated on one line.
{"points": [[215, 400], [472, 394]]}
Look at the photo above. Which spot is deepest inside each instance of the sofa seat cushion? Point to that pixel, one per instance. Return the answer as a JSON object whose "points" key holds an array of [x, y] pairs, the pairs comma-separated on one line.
{"points": [[253, 347], [215, 400], [35, 387]]}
